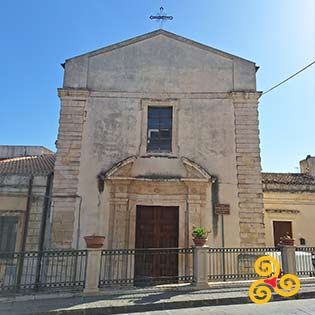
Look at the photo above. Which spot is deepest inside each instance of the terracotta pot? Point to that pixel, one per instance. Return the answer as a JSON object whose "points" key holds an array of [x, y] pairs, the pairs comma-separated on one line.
{"points": [[287, 242], [94, 241], [200, 241]]}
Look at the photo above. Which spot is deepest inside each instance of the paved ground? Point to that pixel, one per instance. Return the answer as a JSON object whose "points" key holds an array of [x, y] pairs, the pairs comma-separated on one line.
{"points": [[142, 300], [296, 307]]}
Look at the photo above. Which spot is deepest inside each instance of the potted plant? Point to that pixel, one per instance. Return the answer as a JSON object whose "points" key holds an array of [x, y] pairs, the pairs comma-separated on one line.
{"points": [[94, 241], [200, 236], [287, 240]]}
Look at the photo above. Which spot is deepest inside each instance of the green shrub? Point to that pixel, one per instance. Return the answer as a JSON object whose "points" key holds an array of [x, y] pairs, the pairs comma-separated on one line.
{"points": [[199, 232]]}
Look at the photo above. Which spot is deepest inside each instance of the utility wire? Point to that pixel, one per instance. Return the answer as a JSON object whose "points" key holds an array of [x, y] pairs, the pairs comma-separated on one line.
{"points": [[293, 75]]}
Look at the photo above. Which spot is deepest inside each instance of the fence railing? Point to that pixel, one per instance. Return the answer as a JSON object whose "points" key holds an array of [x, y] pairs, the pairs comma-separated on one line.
{"points": [[90, 270], [146, 266], [305, 261], [42, 270], [237, 263]]}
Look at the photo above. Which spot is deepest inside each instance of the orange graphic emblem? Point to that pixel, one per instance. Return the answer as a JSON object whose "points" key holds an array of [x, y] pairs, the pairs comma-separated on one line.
{"points": [[260, 290]]}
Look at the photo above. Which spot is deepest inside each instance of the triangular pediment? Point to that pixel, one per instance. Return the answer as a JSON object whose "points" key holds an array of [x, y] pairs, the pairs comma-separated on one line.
{"points": [[160, 61], [156, 33], [134, 168]]}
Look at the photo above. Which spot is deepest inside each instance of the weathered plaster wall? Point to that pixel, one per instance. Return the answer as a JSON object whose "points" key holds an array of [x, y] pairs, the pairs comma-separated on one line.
{"points": [[161, 64], [102, 124], [205, 135], [302, 216]]}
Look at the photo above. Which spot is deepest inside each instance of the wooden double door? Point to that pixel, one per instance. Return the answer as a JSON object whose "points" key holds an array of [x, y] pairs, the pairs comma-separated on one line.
{"points": [[156, 229]]}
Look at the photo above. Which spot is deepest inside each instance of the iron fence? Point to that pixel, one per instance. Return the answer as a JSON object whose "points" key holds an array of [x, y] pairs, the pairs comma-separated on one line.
{"points": [[42, 270], [142, 267], [305, 261], [237, 263]]}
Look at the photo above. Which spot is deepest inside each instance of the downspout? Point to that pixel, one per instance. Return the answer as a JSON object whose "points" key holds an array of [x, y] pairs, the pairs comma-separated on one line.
{"points": [[42, 233], [79, 223], [25, 230], [46, 207], [27, 212]]}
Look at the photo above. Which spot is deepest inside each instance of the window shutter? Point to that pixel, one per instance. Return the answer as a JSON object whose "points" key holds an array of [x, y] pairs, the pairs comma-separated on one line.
{"points": [[8, 230]]}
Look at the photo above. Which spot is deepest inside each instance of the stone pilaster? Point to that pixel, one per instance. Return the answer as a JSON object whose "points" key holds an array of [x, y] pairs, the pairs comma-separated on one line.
{"points": [[66, 175], [200, 267], [252, 232], [288, 259]]}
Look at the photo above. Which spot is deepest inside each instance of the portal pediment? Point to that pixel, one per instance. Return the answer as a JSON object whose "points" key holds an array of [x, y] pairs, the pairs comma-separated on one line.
{"points": [[157, 169]]}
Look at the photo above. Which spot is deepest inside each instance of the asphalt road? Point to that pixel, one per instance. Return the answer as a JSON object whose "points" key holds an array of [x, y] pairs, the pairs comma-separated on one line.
{"points": [[293, 307]]}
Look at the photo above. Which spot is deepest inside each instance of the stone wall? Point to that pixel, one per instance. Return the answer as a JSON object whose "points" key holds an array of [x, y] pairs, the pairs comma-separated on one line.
{"points": [[66, 174], [252, 232]]}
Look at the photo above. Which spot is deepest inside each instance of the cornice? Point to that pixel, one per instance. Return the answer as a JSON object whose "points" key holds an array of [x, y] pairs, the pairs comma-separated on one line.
{"points": [[65, 93], [245, 96]]}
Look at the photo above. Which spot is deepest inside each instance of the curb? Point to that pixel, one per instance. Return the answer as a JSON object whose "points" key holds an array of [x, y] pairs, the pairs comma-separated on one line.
{"points": [[169, 305], [109, 292]]}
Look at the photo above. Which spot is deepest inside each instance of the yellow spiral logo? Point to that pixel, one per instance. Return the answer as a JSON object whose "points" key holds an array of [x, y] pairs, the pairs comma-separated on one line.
{"points": [[260, 290]]}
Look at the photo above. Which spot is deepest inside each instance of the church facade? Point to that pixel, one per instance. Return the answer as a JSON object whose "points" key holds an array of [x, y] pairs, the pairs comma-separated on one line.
{"points": [[155, 132]]}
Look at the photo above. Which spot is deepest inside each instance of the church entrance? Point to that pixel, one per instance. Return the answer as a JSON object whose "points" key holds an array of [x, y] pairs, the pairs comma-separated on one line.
{"points": [[156, 228]]}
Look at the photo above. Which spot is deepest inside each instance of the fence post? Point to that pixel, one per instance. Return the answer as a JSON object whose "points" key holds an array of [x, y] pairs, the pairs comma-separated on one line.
{"points": [[200, 266], [93, 269], [288, 259]]}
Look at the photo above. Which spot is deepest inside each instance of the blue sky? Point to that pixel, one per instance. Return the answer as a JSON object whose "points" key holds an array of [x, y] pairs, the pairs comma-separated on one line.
{"points": [[36, 36]]}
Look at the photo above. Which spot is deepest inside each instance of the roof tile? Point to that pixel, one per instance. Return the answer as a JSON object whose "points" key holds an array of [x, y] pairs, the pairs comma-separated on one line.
{"points": [[28, 165]]}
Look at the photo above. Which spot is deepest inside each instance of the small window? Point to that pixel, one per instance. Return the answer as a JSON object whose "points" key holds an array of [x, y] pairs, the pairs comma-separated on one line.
{"points": [[8, 230], [159, 129]]}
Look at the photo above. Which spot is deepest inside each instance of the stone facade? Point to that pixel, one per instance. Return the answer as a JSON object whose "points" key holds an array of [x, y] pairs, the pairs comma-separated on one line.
{"points": [[103, 122], [252, 231], [66, 200]]}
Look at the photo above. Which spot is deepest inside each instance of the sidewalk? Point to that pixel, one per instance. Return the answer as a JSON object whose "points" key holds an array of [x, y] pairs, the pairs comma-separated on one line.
{"points": [[128, 301]]}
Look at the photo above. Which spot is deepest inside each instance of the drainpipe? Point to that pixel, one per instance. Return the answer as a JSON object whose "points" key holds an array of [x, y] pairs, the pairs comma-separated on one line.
{"points": [[27, 212], [42, 233], [79, 223], [46, 207], [25, 230]]}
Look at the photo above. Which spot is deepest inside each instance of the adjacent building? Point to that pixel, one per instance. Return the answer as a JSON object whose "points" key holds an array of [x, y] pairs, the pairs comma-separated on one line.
{"points": [[26, 174]]}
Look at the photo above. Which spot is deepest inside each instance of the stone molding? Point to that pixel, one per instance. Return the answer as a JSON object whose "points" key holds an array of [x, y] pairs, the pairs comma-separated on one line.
{"points": [[73, 94], [117, 173], [245, 96], [167, 34], [286, 211]]}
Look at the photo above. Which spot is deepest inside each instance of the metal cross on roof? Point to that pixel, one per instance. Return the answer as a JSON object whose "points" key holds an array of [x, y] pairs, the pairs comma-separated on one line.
{"points": [[161, 17]]}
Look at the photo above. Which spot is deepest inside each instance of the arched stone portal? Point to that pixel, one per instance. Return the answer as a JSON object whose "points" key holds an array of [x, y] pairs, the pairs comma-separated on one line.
{"points": [[158, 182]]}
